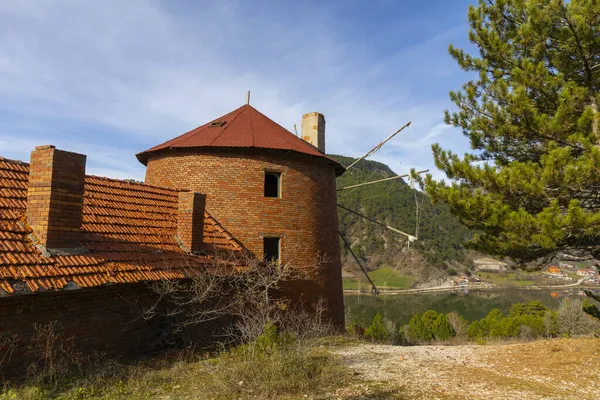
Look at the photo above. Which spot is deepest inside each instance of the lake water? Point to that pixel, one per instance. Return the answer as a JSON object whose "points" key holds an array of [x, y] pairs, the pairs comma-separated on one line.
{"points": [[474, 305]]}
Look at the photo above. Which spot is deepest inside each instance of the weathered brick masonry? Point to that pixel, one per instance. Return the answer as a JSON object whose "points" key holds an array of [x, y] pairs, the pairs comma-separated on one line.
{"points": [[105, 319], [305, 216], [227, 158]]}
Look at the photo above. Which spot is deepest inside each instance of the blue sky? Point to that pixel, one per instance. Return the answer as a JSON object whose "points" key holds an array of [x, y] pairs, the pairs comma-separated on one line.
{"points": [[111, 78]]}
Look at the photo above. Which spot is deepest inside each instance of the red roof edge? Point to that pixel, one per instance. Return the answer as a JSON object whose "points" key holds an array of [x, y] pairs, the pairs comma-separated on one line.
{"points": [[294, 143]]}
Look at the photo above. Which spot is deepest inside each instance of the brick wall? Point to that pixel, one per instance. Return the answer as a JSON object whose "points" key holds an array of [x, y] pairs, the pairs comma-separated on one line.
{"points": [[55, 196], [305, 216], [106, 319]]}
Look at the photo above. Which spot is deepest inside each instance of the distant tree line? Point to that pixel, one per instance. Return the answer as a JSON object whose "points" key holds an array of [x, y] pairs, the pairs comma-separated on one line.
{"points": [[524, 321]]}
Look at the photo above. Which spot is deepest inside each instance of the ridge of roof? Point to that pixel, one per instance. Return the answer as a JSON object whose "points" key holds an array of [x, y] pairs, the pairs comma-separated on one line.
{"points": [[245, 127], [11, 161], [133, 183]]}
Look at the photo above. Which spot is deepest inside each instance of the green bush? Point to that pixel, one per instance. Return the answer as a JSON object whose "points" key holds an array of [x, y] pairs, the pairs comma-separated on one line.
{"points": [[591, 309], [429, 318], [271, 339], [526, 320], [487, 326], [377, 330], [535, 308], [417, 330], [442, 330]]}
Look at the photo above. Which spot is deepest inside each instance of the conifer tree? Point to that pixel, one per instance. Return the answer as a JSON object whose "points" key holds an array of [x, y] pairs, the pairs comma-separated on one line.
{"points": [[531, 185], [442, 330]]}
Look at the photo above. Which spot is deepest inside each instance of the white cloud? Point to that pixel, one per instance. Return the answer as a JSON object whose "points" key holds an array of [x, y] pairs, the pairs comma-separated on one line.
{"points": [[113, 78]]}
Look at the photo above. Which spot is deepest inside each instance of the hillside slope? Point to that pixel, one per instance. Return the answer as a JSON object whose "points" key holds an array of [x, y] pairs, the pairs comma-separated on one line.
{"points": [[441, 236]]}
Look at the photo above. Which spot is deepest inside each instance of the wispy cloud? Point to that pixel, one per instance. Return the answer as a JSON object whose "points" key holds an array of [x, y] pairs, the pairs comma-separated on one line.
{"points": [[112, 78]]}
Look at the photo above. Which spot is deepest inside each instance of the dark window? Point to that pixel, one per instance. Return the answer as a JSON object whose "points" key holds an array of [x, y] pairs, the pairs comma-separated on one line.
{"points": [[217, 124], [271, 249], [272, 188]]}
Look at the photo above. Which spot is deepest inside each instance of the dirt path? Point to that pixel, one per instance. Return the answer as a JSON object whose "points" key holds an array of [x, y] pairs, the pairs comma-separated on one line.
{"points": [[548, 369]]}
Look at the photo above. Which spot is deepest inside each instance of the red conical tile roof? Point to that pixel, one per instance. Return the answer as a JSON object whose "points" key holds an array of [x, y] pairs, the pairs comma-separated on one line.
{"points": [[243, 127]]}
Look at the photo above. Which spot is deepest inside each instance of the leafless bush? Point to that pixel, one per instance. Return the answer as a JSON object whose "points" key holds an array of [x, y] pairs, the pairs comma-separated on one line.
{"points": [[526, 333], [307, 321], [550, 320], [239, 286], [572, 320], [8, 344], [55, 355], [57, 360], [459, 325]]}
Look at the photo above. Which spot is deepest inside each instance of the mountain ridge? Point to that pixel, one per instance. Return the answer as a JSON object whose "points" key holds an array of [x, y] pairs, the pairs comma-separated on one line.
{"points": [[439, 249]]}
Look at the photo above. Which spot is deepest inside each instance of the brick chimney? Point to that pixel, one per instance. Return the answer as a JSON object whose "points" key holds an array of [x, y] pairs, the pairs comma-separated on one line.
{"points": [[190, 220], [55, 196], [313, 130]]}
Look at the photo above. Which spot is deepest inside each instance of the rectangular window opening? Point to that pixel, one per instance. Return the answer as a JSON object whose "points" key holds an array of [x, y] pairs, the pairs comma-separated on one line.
{"points": [[272, 184], [271, 249], [217, 124]]}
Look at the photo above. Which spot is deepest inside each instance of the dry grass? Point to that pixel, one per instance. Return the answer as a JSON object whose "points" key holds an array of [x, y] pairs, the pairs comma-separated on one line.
{"points": [[246, 372], [345, 368], [545, 369]]}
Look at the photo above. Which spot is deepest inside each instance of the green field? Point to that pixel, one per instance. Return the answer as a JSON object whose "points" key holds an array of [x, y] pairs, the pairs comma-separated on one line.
{"points": [[508, 278], [382, 277]]}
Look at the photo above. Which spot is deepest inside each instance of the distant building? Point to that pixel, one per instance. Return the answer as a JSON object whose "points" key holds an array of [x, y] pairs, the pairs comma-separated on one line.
{"points": [[554, 270], [462, 281], [587, 272]]}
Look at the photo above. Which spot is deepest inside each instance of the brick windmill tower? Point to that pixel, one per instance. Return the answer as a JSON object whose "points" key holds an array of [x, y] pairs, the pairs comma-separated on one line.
{"points": [[274, 192]]}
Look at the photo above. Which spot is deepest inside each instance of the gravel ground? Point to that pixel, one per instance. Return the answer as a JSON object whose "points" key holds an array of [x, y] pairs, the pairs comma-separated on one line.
{"points": [[546, 369]]}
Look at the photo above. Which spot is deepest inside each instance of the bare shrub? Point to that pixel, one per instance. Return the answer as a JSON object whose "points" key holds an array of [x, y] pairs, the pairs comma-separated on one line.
{"points": [[55, 354], [8, 344], [526, 333], [307, 321], [239, 286], [572, 320], [550, 320], [459, 325]]}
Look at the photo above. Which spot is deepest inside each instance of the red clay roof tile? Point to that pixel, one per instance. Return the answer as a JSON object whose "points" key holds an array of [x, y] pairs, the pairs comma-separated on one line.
{"points": [[128, 230], [244, 127]]}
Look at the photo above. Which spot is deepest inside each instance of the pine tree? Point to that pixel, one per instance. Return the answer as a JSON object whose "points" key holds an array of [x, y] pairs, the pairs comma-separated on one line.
{"points": [[442, 330], [377, 330], [531, 185], [418, 331]]}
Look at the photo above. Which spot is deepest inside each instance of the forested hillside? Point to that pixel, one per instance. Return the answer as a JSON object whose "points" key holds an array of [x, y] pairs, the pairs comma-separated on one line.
{"points": [[440, 234]]}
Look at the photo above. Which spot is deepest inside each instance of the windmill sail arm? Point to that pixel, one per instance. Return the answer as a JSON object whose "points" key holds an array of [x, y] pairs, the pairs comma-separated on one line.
{"points": [[375, 290], [410, 237], [374, 149], [382, 180]]}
